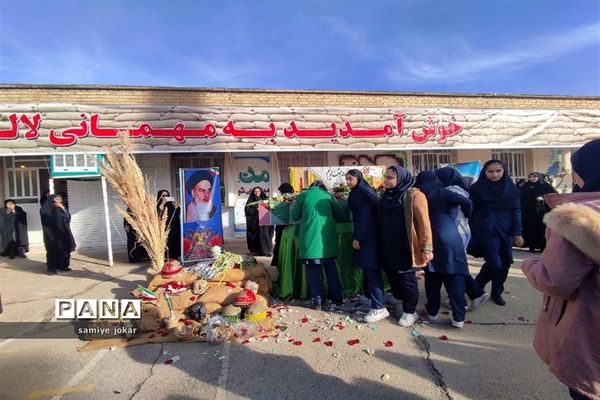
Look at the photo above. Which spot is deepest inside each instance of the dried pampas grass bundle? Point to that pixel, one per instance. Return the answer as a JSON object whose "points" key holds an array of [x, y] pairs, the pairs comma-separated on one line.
{"points": [[123, 173]]}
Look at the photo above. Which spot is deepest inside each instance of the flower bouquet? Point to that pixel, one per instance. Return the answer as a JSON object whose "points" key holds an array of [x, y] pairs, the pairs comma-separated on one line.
{"points": [[341, 191]]}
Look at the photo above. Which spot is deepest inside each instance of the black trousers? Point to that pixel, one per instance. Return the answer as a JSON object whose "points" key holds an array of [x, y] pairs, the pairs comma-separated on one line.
{"points": [[455, 286], [497, 275], [472, 289], [404, 286]]}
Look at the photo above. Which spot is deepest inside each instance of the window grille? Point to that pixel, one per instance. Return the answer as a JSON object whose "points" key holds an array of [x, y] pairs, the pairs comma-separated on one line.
{"points": [[514, 160], [23, 177], [299, 159], [430, 159]]}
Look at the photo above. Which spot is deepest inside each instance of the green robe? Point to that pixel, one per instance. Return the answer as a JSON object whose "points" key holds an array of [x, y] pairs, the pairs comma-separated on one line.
{"points": [[317, 212]]}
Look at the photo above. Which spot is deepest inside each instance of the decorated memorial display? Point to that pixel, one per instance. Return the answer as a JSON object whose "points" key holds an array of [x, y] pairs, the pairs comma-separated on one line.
{"points": [[222, 297], [225, 298]]}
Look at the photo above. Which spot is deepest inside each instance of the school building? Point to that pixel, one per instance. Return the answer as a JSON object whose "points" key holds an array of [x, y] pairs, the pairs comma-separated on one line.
{"points": [[253, 136]]}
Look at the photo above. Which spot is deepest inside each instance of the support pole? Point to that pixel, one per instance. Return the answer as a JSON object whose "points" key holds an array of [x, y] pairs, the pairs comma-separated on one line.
{"points": [[107, 220]]}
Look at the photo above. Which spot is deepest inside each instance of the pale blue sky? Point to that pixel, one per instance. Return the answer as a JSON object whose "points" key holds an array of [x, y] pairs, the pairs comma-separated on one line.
{"points": [[459, 46]]}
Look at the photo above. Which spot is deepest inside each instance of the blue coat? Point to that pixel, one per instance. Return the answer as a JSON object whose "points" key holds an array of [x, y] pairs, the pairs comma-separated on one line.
{"points": [[493, 231], [364, 215], [448, 251], [496, 218]]}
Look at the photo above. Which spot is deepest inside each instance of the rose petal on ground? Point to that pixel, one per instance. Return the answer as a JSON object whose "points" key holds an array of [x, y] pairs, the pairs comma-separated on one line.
{"points": [[352, 342], [316, 340], [172, 360], [388, 343], [443, 337], [298, 343], [329, 343]]}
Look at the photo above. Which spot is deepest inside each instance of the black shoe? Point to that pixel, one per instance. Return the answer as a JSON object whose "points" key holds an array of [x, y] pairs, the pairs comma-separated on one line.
{"points": [[66, 269], [498, 300], [51, 273]]}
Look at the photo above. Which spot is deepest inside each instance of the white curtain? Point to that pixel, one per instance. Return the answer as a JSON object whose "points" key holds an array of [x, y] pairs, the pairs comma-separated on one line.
{"points": [[229, 180], [275, 178]]}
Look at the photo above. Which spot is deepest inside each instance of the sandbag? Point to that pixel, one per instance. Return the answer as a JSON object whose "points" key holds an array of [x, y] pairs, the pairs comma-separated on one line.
{"points": [[223, 295]]}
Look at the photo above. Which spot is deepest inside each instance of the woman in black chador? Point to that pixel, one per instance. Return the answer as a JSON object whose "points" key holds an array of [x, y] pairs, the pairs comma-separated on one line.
{"points": [[135, 251], [13, 230], [259, 238], [495, 225], [58, 239], [533, 209], [165, 203]]}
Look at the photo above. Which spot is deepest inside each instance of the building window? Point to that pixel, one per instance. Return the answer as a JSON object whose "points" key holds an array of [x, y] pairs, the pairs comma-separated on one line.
{"points": [[514, 160], [299, 159], [423, 160], [198, 160], [23, 177]]}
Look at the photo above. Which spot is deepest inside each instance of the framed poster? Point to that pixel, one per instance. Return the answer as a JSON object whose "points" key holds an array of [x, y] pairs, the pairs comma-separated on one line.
{"points": [[202, 227]]}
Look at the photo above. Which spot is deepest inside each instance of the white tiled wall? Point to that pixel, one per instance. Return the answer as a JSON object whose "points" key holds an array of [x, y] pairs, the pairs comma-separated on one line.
{"points": [[87, 207]]}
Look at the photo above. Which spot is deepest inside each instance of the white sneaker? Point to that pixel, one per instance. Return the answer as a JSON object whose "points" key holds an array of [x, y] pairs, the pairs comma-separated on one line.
{"points": [[477, 302], [432, 318], [364, 300], [408, 320], [458, 324], [376, 315]]}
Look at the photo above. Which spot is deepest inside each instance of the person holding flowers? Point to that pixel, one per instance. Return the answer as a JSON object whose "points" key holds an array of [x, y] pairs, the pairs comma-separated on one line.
{"points": [[317, 211]]}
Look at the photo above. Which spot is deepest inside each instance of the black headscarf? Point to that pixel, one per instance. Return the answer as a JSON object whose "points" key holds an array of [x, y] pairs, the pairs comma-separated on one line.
{"points": [[318, 183], [285, 188], [428, 182], [44, 196], [168, 206], [252, 198], [404, 182], [51, 214], [451, 177], [362, 188], [536, 189], [502, 194], [585, 162], [159, 195]]}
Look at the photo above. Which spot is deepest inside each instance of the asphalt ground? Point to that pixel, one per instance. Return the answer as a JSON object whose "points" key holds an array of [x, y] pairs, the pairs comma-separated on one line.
{"points": [[491, 358]]}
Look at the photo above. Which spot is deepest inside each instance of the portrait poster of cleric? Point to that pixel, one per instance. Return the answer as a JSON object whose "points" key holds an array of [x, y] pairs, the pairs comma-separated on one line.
{"points": [[202, 227]]}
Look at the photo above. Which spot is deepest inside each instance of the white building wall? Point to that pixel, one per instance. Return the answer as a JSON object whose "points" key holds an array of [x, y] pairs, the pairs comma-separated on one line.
{"points": [[87, 208]]}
